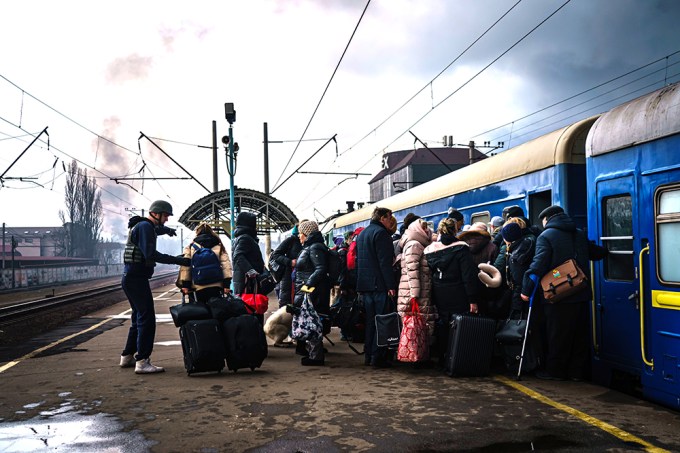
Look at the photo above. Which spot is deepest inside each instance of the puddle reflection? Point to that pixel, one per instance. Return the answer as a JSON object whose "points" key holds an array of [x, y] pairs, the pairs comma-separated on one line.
{"points": [[71, 432]]}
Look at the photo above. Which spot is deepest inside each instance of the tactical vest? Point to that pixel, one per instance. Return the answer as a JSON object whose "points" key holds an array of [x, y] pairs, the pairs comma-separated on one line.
{"points": [[133, 254]]}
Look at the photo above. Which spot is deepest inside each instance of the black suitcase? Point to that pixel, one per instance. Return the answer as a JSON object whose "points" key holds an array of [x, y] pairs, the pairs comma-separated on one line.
{"points": [[202, 345], [245, 342], [470, 345]]}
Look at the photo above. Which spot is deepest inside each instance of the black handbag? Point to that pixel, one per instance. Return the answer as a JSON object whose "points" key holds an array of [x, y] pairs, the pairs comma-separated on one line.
{"points": [[277, 270], [265, 283], [181, 313], [512, 331]]}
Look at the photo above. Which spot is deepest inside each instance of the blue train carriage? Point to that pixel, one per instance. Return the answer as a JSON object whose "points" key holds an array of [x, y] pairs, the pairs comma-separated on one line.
{"points": [[633, 169], [534, 175]]}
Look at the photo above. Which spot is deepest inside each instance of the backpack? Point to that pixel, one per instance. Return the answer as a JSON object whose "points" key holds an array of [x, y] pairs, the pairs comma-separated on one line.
{"points": [[352, 256], [335, 266], [205, 266]]}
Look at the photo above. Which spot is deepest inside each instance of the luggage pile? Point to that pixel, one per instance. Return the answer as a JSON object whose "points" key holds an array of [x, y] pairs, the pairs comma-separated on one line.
{"points": [[222, 329]]}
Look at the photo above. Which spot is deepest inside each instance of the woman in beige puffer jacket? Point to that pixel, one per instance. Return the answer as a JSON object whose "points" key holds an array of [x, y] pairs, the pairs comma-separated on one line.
{"points": [[415, 281]]}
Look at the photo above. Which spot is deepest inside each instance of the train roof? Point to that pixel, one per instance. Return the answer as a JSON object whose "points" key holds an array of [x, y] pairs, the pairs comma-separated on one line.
{"points": [[565, 145], [649, 117]]}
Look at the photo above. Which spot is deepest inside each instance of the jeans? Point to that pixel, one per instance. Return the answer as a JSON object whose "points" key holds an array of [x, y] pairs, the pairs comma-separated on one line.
{"points": [[143, 319], [374, 304]]}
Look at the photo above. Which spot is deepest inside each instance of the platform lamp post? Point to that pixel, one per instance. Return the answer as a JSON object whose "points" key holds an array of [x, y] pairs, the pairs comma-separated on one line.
{"points": [[230, 115]]}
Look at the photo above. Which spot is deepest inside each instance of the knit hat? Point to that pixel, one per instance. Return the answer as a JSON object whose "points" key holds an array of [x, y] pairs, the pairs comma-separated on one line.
{"points": [[308, 227], [513, 211], [511, 232], [455, 215], [550, 211], [496, 221], [338, 240]]}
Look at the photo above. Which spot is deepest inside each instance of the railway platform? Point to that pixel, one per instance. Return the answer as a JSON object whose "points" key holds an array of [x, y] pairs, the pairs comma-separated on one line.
{"points": [[64, 391]]}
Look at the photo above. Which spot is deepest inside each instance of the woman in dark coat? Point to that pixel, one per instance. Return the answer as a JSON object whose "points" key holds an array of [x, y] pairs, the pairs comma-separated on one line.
{"points": [[311, 271], [455, 285], [520, 248], [286, 255], [246, 257]]}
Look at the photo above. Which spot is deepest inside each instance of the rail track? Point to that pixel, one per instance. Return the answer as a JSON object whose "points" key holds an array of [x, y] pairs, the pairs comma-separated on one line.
{"points": [[29, 317]]}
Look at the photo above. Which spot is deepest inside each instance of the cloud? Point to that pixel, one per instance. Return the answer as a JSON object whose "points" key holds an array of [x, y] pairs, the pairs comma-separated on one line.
{"points": [[132, 67]]}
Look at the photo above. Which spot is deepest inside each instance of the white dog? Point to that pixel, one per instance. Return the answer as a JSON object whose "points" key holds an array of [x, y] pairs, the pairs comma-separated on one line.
{"points": [[278, 326]]}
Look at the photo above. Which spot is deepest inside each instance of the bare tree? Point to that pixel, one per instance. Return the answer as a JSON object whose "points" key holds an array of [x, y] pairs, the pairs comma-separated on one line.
{"points": [[83, 216]]}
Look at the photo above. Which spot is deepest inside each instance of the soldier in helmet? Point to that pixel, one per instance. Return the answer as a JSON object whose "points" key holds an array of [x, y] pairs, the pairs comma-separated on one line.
{"points": [[140, 258]]}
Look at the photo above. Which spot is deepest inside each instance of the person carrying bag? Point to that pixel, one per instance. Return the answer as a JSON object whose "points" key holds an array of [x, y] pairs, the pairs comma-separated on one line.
{"points": [[413, 343]]}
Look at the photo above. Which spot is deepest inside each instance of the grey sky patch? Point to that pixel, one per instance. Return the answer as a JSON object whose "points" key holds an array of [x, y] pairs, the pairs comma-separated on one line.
{"points": [[125, 69]]}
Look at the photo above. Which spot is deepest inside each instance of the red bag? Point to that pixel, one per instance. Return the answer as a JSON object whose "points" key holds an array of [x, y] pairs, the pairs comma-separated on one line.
{"points": [[413, 343], [259, 303]]}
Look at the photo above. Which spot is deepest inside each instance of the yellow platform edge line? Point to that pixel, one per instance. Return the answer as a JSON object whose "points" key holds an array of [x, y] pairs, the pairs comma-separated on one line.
{"points": [[32, 354], [604, 426]]}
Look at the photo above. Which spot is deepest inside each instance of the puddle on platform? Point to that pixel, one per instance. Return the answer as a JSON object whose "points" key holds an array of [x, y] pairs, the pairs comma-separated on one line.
{"points": [[71, 432], [169, 343]]}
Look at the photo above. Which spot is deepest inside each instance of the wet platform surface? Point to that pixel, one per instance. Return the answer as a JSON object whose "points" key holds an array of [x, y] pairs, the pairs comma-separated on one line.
{"points": [[64, 391]]}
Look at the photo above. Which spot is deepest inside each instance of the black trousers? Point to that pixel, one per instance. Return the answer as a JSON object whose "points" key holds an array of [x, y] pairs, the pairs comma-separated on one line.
{"points": [[567, 338]]}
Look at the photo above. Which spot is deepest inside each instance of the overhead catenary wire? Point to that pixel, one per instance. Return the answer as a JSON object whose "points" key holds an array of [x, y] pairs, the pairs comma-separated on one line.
{"points": [[460, 87], [322, 95], [429, 84]]}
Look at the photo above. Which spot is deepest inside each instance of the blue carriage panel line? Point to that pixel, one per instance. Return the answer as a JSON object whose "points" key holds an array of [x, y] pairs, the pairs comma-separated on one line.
{"points": [[547, 161]]}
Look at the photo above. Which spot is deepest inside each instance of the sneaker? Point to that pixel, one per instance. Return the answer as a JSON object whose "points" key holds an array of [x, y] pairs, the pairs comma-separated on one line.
{"points": [[144, 367], [127, 361]]}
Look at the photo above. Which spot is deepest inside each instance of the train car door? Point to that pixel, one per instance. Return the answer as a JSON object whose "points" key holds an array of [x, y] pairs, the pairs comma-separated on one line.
{"points": [[661, 286], [617, 298]]}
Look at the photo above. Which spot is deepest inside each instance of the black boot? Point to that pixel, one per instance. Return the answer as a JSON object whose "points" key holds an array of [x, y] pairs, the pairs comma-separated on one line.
{"points": [[306, 361]]}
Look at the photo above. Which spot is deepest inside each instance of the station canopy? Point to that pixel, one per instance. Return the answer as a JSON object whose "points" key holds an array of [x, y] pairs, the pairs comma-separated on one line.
{"points": [[272, 214]]}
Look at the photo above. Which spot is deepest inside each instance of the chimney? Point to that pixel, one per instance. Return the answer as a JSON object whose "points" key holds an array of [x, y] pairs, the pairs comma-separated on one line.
{"points": [[471, 152], [350, 206], [360, 204]]}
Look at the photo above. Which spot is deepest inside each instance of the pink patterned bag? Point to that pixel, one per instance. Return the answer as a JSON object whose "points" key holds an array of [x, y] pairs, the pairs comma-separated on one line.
{"points": [[413, 343]]}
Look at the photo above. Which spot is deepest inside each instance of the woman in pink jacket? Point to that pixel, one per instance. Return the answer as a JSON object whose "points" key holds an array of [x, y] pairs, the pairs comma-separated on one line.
{"points": [[415, 273]]}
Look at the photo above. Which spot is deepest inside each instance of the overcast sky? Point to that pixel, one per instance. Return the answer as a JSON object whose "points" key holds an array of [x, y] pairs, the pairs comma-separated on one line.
{"points": [[96, 76]]}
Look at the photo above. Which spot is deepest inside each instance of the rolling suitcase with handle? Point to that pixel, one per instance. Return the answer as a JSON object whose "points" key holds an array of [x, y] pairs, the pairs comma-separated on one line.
{"points": [[202, 345], [470, 345], [245, 342]]}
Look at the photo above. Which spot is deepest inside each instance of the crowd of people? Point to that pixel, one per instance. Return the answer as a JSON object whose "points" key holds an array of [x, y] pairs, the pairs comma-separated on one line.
{"points": [[389, 270]]}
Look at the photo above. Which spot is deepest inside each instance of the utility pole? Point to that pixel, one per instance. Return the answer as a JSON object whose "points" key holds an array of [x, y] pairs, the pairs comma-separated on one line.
{"points": [[3, 245], [216, 212], [267, 236], [12, 247], [230, 115]]}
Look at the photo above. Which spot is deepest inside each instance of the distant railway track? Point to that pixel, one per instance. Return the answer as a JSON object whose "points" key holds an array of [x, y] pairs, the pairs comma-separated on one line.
{"points": [[17, 315]]}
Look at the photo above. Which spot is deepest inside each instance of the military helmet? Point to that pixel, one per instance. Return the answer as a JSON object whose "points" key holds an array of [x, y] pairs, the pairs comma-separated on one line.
{"points": [[161, 206]]}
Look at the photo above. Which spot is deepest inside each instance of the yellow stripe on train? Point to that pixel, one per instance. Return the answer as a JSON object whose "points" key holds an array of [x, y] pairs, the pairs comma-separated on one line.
{"points": [[666, 299]]}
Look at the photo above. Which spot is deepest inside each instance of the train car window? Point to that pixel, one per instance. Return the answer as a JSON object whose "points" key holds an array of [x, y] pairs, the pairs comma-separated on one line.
{"points": [[538, 202], [618, 238], [668, 234], [484, 217]]}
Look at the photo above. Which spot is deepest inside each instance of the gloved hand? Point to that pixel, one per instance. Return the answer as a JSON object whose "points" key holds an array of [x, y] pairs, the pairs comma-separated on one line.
{"points": [[252, 273], [307, 289], [185, 261], [171, 231]]}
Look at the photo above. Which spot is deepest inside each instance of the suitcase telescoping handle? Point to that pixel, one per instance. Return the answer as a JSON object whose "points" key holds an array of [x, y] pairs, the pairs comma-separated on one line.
{"points": [[534, 278]]}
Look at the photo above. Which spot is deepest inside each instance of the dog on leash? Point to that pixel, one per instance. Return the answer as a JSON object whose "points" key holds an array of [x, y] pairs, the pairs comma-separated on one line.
{"points": [[278, 325]]}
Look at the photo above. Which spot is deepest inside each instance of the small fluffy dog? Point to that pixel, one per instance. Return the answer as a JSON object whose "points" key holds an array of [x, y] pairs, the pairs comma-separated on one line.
{"points": [[278, 326]]}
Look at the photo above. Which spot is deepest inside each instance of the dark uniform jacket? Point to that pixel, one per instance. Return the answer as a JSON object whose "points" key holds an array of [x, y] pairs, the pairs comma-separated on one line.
{"points": [[311, 269], [375, 255], [285, 253], [140, 255], [559, 241], [245, 256]]}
